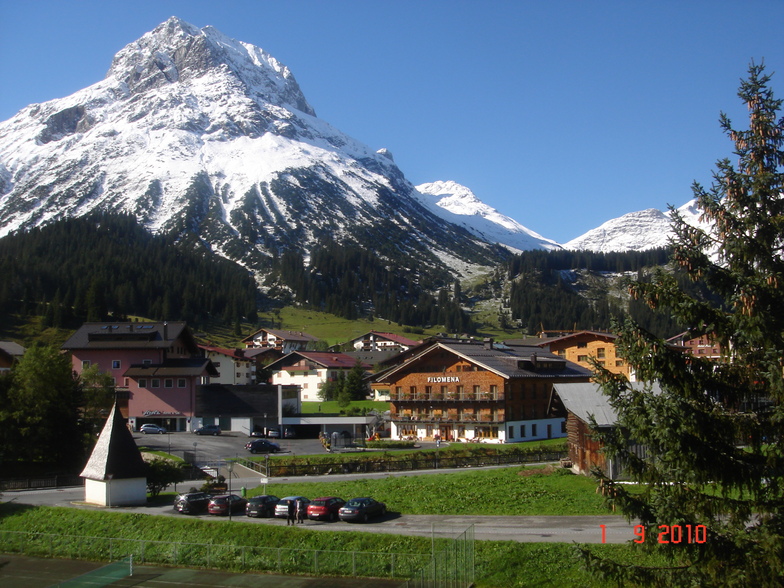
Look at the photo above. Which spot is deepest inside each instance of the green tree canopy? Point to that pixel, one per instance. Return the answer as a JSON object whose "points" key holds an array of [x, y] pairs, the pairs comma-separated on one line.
{"points": [[41, 409], [713, 434]]}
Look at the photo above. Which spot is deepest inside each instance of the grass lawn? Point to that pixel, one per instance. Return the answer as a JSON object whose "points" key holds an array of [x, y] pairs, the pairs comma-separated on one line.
{"points": [[332, 406], [498, 563], [504, 491]]}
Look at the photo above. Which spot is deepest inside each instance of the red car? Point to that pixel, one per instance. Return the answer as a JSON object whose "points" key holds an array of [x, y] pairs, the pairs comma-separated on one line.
{"points": [[221, 505], [325, 508]]}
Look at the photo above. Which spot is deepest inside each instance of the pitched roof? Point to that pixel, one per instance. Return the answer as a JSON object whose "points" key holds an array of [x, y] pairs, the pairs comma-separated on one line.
{"points": [[115, 455], [322, 358], [130, 336], [12, 349], [579, 335], [400, 339], [285, 335], [507, 362], [584, 400], [172, 368], [233, 353]]}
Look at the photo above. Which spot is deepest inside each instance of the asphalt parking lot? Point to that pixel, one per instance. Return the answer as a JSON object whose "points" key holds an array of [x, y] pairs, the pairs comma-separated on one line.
{"points": [[208, 448]]}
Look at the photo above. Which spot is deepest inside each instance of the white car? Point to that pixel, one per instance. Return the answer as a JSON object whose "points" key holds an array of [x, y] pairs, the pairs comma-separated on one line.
{"points": [[150, 429]]}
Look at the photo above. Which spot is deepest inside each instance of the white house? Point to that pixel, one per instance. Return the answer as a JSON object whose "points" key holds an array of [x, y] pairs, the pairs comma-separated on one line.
{"points": [[310, 369]]}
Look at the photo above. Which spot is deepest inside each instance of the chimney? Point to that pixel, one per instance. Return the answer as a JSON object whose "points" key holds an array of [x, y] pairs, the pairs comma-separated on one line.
{"points": [[488, 343]]}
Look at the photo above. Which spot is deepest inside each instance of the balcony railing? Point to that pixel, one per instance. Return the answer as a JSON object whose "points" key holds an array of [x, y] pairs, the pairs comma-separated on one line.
{"points": [[448, 418], [448, 397]]}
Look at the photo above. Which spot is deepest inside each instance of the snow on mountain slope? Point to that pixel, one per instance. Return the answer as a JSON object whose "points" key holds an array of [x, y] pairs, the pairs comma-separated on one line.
{"points": [[196, 133], [636, 231], [458, 204]]}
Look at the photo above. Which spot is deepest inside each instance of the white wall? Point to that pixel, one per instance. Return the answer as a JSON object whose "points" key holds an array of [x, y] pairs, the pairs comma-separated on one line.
{"points": [[125, 492]]}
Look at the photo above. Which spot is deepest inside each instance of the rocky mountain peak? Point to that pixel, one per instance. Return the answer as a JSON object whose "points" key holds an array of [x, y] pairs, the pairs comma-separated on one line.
{"points": [[176, 51]]}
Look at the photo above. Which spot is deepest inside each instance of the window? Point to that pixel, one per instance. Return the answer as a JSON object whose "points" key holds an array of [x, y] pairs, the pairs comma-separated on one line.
{"points": [[511, 432], [533, 430], [522, 430], [146, 362], [142, 382], [563, 426], [600, 353], [181, 383], [412, 389], [582, 358], [582, 345], [168, 383], [156, 383], [477, 389], [493, 389], [618, 363], [85, 364], [116, 364]]}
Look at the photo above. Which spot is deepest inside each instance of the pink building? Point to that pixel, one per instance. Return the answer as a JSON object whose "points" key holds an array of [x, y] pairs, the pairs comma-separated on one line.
{"points": [[156, 368]]}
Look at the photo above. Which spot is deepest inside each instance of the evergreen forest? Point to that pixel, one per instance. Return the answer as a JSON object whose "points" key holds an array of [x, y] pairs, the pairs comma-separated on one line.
{"points": [[108, 267]]}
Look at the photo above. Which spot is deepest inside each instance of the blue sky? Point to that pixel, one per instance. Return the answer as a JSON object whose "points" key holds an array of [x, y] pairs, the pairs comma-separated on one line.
{"points": [[560, 114]]}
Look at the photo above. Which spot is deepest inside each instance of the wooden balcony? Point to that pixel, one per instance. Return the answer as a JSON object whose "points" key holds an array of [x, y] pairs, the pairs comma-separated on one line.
{"points": [[448, 397]]}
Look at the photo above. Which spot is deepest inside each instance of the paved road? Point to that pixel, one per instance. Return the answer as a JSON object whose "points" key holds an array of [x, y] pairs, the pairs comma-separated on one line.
{"points": [[582, 529]]}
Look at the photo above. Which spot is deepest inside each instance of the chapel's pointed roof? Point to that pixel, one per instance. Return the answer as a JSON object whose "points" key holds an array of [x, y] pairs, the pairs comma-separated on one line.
{"points": [[116, 455]]}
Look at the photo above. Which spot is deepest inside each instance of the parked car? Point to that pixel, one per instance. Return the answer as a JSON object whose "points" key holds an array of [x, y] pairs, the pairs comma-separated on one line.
{"points": [[261, 506], [262, 446], [221, 505], [289, 434], [325, 508], [150, 429], [208, 430], [273, 433], [282, 507], [192, 502], [362, 509]]}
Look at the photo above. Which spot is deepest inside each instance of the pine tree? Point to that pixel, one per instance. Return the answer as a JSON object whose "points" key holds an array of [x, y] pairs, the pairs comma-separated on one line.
{"points": [[714, 433]]}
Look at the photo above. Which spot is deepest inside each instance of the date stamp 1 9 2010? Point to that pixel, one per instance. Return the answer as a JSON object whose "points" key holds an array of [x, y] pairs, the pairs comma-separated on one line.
{"points": [[669, 534]]}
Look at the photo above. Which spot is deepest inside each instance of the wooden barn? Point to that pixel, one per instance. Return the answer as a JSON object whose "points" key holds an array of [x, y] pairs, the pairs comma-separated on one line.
{"points": [[578, 403]]}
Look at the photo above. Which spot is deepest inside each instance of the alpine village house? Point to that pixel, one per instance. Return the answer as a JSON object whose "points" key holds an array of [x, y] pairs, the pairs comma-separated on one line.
{"points": [[470, 391]]}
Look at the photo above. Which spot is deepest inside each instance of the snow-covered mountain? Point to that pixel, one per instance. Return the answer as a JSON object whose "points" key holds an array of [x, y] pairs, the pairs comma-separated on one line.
{"points": [[458, 204], [211, 138], [636, 231]]}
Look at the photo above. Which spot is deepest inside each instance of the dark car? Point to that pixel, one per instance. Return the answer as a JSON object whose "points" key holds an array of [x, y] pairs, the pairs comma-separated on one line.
{"points": [[261, 506], [325, 508], [362, 509], [192, 502], [282, 508], [262, 446], [208, 430], [221, 505], [150, 429]]}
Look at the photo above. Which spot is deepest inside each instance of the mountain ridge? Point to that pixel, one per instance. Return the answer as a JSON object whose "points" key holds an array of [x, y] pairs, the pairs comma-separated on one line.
{"points": [[212, 138]]}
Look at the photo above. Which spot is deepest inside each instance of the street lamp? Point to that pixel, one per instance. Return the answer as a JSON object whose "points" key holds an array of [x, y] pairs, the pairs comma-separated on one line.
{"points": [[230, 468]]}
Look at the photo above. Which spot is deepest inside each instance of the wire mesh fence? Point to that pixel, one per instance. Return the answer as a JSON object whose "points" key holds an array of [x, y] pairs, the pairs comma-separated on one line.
{"points": [[238, 558], [452, 564]]}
